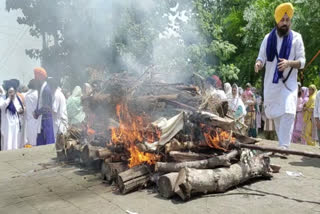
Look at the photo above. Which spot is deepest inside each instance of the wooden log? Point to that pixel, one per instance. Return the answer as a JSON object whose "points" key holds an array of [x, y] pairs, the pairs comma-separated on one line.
{"points": [[70, 142], [193, 89], [116, 148], [188, 156], [211, 163], [175, 145], [73, 153], [89, 158], [89, 153], [99, 98], [166, 184], [104, 153], [277, 150], [134, 184], [179, 105], [74, 133], [245, 139], [109, 170], [133, 178], [211, 120], [192, 181]]}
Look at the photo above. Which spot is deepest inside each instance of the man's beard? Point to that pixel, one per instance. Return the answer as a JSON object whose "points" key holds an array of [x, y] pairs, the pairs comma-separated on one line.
{"points": [[283, 30]]}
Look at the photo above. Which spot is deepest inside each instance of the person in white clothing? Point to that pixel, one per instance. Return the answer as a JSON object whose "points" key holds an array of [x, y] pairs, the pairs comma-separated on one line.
{"points": [[228, 90], [59, 108], [316, 114], [282, 51], [11, 109], [31, 124]]}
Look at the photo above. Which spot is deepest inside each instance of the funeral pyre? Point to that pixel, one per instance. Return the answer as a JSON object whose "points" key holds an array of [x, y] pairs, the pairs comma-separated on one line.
{"points": [[143, 133]]}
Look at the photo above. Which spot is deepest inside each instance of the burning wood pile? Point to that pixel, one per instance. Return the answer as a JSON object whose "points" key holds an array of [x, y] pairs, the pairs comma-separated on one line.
{"points": [[148, 141]]}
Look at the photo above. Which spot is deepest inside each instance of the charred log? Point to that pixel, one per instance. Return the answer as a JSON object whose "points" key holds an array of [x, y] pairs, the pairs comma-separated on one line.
{"points": [[89, 157], [109, 170]]}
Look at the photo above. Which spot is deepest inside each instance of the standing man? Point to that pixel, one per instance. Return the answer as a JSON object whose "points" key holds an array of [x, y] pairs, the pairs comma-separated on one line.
{"points": [[31, 124], [59, 108], [43, 111], [11, 111], [282, 51]]}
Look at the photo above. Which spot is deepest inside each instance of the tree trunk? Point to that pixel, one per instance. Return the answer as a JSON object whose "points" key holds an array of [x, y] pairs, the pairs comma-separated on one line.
{"points": [[277, 150], [192, 181], [133, 178], [89, 153], [89, 157], [104, 153], [175, 145], [109, 171], [166, 184], [73, 153], [179, 105], [212, 120], [222, 160], [188, 156]]}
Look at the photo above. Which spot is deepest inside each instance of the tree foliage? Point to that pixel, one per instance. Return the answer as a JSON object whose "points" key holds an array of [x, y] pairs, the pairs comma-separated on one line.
{"points": [[210, 37]]}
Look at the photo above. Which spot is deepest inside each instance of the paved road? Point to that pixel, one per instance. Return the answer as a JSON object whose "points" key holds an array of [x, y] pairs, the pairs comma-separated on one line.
{"points": [[31, 181]]}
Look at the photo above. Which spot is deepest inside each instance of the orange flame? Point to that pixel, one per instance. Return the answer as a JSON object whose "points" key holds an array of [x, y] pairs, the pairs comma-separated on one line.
{"points": [[215, 139], [132, 130], [138, 157]]}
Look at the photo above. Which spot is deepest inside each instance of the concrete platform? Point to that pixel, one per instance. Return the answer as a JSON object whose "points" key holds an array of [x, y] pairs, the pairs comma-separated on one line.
{"points": [[31, 181]]}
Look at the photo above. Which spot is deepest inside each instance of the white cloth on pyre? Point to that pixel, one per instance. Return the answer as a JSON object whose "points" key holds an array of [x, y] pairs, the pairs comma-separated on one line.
{"points": [[169, 128]]}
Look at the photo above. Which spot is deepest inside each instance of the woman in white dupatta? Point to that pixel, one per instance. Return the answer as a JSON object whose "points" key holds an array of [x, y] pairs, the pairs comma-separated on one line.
{"points": [[228, 90], [237, 110]]}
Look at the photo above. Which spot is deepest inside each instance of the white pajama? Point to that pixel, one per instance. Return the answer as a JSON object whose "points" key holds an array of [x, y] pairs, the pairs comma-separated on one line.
{"points": [[284, 128]]}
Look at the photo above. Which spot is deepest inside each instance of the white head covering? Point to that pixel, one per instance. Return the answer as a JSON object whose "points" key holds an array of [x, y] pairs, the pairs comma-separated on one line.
{"points": [[228, 90], [236, 101], [240, 91]]}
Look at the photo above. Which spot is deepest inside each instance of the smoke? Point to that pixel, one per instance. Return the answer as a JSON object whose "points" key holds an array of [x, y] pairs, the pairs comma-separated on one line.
{"points": [[119, 36]]}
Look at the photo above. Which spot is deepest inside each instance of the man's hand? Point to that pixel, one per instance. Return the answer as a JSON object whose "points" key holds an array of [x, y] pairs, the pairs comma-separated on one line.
{"points": [[21, 111], [258, 66], [283, 64], [35, 116]]}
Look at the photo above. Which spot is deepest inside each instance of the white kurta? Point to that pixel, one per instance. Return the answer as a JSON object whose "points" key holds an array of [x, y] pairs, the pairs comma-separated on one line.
{"points": [[10, 128], [31, 124], [278, 100], [60, 117], [316, 111]]}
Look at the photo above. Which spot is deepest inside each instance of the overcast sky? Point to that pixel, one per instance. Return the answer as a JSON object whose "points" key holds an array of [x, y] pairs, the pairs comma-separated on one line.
{"points": [[14, 40]]}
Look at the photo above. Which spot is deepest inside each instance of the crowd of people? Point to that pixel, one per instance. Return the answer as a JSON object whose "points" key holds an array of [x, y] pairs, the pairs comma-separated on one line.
{"points": [[37, 114], [246, 106]]}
